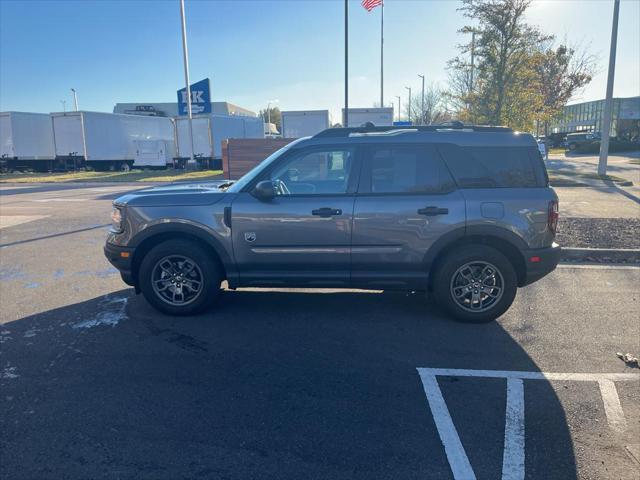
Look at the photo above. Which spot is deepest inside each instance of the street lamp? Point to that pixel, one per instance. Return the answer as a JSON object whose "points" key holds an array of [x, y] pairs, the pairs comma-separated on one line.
{"points": [[269, 113], [409, 88], [422, 116], [64, 106], [399, 106], [75, 99]]}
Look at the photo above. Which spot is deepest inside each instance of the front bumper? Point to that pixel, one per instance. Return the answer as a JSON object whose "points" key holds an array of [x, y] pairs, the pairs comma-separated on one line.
{"points": [[540, 262], [122, 259]]}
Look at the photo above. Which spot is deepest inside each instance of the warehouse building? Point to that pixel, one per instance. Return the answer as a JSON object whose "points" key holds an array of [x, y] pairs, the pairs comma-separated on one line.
{"points": [[587, 117], [171, 109]]}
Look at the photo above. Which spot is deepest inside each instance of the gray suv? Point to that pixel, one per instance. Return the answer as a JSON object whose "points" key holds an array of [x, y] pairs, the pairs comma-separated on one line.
{"points": [[464, 213]]}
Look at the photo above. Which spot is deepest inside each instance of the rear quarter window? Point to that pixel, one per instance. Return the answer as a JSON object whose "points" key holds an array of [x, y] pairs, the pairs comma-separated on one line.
{"points": [[494, 167]]}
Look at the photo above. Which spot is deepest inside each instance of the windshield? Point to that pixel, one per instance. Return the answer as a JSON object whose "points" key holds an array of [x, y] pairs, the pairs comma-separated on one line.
{"points": [[251, 174]]}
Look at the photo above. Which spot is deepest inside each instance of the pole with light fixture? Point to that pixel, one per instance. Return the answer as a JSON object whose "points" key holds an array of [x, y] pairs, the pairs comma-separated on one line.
{"points": [[75, 99], [191, 163], [409, 88], [422, 116]]}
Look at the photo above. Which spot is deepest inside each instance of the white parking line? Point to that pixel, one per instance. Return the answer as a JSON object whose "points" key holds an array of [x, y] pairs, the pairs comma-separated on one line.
{"points": [[513, 456], [13, 220], [456, 455], [612, 407], [513, 466]]}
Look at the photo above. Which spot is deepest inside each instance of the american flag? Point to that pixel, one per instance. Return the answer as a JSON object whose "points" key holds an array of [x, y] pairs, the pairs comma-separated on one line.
{"points": [[371, 4]]}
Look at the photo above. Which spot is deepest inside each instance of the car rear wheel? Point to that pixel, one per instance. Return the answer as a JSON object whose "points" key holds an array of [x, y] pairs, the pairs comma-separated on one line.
{"points": [[179, 277], [475, 284]]}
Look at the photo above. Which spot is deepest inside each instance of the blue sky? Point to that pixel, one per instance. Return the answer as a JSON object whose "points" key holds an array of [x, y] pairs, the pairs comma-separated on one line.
{"points": [[258, 50]]}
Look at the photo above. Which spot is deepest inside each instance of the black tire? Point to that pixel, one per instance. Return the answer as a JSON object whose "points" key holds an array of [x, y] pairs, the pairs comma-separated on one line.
{"points": [[444, 278], [209, 268]]}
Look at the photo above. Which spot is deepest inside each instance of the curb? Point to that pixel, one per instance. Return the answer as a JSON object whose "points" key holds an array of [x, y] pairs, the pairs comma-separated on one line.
{"points": [[601, 255]]}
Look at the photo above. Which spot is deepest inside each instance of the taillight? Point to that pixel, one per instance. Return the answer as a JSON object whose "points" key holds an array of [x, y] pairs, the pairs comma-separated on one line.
{"points": [[552, 219]]}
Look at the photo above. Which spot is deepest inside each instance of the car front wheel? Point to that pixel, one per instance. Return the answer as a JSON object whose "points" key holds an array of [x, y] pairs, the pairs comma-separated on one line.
{"points": [[475, 283], [179, 277]]}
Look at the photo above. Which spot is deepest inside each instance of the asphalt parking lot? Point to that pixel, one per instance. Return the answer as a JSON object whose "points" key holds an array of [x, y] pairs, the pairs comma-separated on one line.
{"points": [[299, 383]]}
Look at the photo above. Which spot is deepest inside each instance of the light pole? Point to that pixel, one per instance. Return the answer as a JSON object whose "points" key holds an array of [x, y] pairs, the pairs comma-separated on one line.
{"points": [[422, 119], [399, 106], [75, 99], [608, 105], [64, 106], [269, 113], [191, 163], [345, 120], [409, 88]]}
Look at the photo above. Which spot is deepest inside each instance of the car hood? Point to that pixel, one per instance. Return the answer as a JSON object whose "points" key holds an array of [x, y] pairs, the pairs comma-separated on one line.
{"points": [[183, 194]]}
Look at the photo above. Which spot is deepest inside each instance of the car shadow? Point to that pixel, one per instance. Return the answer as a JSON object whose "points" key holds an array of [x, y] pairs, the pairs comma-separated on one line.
{"points": [[270, 384]]}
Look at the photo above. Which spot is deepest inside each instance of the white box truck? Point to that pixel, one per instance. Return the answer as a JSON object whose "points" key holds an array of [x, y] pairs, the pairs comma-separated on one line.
{"points": [[380, 117], [26, 141], [107, 141], [209, 131], [304, 123]]}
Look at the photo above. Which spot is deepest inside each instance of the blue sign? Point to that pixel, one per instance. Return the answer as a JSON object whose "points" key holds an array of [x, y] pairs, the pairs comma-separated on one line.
{"points": [[403, 123], [200, 98]]}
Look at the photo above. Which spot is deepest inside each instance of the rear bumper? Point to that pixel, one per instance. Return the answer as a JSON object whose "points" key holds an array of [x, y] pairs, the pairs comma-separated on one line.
{"points": [[122, 259], [540, 262]]}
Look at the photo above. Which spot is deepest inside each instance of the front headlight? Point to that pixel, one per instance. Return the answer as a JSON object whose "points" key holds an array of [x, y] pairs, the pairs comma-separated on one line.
{"points": [[116, 219]]}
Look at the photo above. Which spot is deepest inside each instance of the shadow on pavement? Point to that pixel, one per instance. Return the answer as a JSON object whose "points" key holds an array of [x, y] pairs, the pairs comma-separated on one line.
{"points": [[269, 385]]}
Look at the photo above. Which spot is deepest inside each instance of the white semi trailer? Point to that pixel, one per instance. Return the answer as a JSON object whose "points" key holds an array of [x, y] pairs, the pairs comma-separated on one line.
{"points": [[304, 123], [108, 141], [26, 141], [209, 131], [380, 117]]}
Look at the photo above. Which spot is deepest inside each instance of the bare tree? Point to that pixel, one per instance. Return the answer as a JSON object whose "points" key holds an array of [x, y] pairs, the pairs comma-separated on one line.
{"points": [[435, 107]]}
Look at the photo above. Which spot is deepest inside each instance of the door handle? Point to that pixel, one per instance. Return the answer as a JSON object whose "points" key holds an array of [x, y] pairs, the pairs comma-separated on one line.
{"points": [[326, 212], [433, 211]]}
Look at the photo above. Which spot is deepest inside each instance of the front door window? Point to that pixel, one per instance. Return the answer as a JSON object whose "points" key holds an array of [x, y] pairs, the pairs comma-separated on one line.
{"points": [[316, 172]]}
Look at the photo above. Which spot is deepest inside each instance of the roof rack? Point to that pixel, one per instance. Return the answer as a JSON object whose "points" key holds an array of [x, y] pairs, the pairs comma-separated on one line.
{"points": [[395, 129]]}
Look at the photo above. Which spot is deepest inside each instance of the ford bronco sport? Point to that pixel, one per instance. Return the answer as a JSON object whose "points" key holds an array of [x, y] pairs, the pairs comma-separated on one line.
{"points": [[464, 213]]}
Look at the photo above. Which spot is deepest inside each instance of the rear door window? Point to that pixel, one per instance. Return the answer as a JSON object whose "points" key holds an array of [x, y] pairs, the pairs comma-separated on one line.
{"points": [[493, 167], [405, 169]]}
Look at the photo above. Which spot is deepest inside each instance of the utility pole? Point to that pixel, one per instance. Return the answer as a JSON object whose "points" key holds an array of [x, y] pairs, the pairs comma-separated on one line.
{"points": [[75, 99], [409, 88], [191, 163], [473, 58], [422, 116], [608, 106], [382, 55], [346, 64], [399, 106]]}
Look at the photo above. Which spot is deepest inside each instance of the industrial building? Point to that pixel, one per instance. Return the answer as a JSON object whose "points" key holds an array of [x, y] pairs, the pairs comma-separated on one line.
{"points": [[587, 117], [170, 109]]}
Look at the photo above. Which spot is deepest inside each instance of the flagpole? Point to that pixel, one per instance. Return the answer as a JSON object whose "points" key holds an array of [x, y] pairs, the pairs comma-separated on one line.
{"points": [[345, 120], [382, 55]]}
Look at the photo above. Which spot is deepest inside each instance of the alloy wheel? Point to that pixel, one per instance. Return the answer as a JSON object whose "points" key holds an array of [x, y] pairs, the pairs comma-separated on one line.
{"points": [[477, 286]]}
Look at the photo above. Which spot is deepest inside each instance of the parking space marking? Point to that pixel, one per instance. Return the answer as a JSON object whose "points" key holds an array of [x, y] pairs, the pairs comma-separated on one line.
{"points": [[612, 407], [514, 432], [13, 220], [456, 455], [513, 456]]}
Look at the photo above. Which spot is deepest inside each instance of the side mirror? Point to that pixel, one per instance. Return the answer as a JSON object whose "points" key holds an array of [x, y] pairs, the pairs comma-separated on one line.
{"points": [[264, 190]]}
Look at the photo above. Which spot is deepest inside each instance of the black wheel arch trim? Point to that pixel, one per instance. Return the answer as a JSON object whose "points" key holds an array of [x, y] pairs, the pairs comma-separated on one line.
{"points": [[199, 232], [469, 231]]}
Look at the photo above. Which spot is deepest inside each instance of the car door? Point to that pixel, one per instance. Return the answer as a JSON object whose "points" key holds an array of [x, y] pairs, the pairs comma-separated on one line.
{"points": [[406, 202], [301, 237]]}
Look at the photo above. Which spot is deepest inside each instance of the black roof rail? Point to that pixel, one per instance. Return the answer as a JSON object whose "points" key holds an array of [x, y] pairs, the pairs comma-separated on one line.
{"points": [[345, 132]]}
